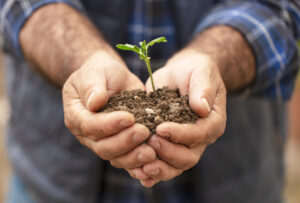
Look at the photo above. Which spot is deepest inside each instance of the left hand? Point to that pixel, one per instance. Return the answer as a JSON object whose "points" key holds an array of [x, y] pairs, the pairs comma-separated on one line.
{"points": [[180, 146]]}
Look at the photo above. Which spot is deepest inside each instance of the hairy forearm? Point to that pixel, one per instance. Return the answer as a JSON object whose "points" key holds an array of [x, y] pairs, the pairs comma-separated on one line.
{"points": [[56, 40], [230, 51]]}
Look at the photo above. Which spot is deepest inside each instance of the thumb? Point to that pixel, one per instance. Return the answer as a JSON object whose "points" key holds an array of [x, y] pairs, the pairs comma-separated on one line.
{"points": [[202, 92], [133, 82], [161, 79], [91, 87], [97, 97]]}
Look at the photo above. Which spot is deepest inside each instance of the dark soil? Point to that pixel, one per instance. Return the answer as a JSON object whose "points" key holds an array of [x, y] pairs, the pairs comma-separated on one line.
{"points": [[150, 110]]}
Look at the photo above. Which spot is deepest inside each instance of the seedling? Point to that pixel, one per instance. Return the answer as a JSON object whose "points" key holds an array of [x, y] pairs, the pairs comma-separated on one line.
{"points": [[143, 53]]}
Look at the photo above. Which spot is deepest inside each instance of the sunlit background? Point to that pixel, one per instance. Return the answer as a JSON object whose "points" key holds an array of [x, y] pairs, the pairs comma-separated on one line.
{"points": [[292, 152]]}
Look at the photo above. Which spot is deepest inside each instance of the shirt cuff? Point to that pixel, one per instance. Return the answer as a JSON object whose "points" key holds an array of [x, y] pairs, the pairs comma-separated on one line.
{"points": [[271, 40], [19, 12]]}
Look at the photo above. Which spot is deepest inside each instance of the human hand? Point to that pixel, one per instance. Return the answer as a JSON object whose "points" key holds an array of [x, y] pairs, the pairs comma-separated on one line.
{"points": [[180, 146], [112, 136]]}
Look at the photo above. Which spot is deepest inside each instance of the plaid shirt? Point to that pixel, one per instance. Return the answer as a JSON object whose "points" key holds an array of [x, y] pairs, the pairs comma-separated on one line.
{"points": [[270, 27], [272, 37]]}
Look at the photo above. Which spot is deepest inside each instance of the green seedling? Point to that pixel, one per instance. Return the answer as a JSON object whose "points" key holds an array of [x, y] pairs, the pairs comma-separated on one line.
{"points": [[142, 51]]}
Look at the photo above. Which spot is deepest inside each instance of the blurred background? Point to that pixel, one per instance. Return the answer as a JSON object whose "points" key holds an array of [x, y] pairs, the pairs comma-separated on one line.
{"points": [[292, 149]]}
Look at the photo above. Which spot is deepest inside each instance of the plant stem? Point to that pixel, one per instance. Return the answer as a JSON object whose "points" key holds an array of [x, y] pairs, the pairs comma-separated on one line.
{"points": [[147, 61]]}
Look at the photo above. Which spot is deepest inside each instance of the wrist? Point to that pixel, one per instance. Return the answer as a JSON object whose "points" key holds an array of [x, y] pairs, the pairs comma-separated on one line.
{"points": [[69, 41]]}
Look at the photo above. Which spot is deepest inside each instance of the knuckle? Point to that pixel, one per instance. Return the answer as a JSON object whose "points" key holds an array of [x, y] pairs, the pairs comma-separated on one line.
{"points": [[82, 141], [92, 137], [109, 129], [108, 154], [178, 173], [194, 159], [115, 163], [102, 154]]}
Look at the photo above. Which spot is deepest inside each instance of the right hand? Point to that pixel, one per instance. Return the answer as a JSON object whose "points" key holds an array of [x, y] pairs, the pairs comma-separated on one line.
{"points": [[112, 136]]}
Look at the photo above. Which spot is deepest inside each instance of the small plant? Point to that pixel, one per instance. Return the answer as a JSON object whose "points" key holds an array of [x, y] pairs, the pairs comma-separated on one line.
{"points": [[143, 52]]}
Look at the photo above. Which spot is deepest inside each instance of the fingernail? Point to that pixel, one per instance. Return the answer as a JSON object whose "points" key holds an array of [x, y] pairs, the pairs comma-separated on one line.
{"points": [[141, 157], [154, 172], [90, 99], [125, 123], [155, 145], [164, 134], [204, 101]]}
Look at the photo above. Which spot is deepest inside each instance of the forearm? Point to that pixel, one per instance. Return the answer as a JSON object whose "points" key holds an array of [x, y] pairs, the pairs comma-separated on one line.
{"points": [[230, 51], [56, 40]]}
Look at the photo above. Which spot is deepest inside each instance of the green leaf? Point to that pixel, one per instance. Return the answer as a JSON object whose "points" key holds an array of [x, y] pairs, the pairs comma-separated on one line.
{"points": [[129, 47], [143, 46], [157, 40]]}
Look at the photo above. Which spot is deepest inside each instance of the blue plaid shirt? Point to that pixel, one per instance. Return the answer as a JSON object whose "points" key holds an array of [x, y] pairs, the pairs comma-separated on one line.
{"points": [[270, 27]]}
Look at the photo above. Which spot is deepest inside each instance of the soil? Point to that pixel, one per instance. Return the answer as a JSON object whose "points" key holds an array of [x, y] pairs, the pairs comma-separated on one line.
{"points": [[152, 109]]}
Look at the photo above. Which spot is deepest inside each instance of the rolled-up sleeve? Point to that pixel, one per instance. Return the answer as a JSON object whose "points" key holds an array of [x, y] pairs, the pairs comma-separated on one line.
{"points": [[271, 29], [14, 14]]}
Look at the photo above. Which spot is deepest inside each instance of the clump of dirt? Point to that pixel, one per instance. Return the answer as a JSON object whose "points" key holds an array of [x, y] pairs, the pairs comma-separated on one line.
{"points": [[152, 109]]}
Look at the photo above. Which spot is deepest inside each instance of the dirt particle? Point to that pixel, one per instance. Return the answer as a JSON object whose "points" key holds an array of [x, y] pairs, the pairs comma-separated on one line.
{"points": [[122, 108], [158, 120], [137, 98], [139, 119], [149, 111]]}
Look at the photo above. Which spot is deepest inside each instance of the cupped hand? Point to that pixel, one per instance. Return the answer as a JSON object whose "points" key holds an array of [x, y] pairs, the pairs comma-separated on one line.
{"points": [[180, 146], [112, 136]]}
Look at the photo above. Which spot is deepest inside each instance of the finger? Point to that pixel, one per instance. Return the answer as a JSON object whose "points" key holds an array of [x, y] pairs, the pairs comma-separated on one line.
{"points": [[148, 183], [123, 142], [159, 170], [138, 173], [91, 91], [82, 122], [161, 78], [99, 125], [139, 156], [176, 155], [85, 123], [202, 90], [204, 131]]}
